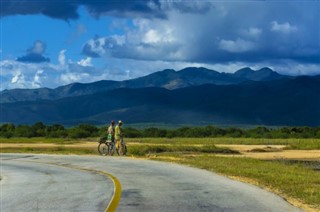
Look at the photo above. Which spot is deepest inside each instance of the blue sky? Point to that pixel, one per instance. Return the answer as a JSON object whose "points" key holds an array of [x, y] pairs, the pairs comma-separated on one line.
{"points": [[53, 43]]}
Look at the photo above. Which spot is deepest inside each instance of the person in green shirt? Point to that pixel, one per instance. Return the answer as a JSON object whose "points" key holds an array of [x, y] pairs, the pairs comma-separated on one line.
{"points": [[110, 132], [118, 134]]}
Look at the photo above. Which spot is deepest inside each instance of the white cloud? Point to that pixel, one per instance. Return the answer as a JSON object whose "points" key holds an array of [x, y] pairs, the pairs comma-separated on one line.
{"points": [[38, 47], [85, 62], [17, 78], [237, 46], [283, 28], [37, 80], [252, 32], [153, 36], [217, 36], [68, 78], [62, 57]]}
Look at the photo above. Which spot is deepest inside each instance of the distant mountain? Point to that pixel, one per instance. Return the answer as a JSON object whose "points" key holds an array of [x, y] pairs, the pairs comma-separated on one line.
{"points": [[169, 79], [279, 102], [264, 74]]}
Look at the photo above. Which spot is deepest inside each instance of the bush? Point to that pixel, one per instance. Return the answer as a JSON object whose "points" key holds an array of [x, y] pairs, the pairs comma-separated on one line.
{"points": [[24, 131], [132, 132], [7, 130]]}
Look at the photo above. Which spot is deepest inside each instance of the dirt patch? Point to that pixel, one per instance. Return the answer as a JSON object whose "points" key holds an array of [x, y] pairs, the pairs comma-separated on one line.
{"points": [[271, 152], [286, 154], [247, 148]]}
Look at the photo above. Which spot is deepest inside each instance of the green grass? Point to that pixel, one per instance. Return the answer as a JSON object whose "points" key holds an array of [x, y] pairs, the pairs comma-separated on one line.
{"points": [[292, 143], [143, 150]]}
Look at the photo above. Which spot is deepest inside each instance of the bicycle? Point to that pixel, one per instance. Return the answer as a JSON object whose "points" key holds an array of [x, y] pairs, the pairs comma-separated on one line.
{"points": [[106, 147], [122, 150]]}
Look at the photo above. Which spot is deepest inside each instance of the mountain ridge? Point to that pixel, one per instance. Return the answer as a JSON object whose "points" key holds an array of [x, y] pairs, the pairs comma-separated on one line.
{"points": [[292, 102], [168, 78]]}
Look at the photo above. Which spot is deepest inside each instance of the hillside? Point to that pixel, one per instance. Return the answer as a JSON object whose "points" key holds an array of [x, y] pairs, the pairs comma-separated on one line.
{"points": [[279, 102], [169, 79]]}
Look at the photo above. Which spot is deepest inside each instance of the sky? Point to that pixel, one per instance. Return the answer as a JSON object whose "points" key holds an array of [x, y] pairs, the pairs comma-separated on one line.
{"points": [[46, 43]]}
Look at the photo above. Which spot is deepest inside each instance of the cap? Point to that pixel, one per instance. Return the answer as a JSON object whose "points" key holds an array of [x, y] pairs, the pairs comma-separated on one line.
{"points": [[120, 122]]}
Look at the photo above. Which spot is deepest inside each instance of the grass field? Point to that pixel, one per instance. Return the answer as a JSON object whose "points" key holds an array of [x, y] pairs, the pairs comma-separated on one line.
{"points": [[298, 183], [292, 143]]}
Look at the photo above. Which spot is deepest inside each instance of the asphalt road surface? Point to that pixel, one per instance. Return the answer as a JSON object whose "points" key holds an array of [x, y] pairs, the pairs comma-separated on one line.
{"points": [[95, 183]]}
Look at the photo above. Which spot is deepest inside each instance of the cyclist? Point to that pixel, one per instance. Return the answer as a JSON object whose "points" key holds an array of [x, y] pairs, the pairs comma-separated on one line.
{"points": [[111, 132], [118, 134]]}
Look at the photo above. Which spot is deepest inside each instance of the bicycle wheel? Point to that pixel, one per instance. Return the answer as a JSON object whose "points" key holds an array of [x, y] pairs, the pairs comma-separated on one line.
{"points": [[103, 148]]}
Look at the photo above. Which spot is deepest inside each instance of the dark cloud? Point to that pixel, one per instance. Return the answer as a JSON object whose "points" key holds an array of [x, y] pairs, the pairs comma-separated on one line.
{"points": [[33, 58], [35, 53], [68, 10], [65, 10], [55, 9], [123, 8], [187, 6], [88, 51], [99, 46]]}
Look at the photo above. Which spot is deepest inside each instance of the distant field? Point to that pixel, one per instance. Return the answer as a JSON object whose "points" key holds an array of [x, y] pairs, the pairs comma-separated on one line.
{"points": [[299, 182], [291, 143]]}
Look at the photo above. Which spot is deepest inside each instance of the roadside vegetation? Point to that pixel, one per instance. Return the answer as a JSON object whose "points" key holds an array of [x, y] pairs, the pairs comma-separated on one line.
{"points": [[86, 130]]}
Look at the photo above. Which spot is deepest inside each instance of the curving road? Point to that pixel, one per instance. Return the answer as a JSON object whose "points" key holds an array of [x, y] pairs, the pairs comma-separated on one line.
{"points": [[82, 183]]}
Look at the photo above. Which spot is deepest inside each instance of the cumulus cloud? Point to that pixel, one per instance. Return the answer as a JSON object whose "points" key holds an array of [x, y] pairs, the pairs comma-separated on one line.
{"points": [[218, 36], [62, 57], [35, 53], [252, 32], [69, 77], [143, 43], [17, 78], [283, 28], [85, 62], [34, 75], [237, 46], [37, 79]]}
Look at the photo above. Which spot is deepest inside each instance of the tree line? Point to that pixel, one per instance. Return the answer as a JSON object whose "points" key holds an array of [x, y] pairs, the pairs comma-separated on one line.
{"points": [[86, 130]]}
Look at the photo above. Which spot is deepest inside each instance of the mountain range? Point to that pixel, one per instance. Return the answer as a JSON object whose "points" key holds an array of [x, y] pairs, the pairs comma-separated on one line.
{"points": [[188, 96], [169, 79]]}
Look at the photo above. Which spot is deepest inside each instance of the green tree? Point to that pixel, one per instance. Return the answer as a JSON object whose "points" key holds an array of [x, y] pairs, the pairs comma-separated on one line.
{"points": [[24, 131], [131, 132], [7, 130], [39, 129], [234, 132], [83, 131], [56, 131], [258, 132], [154, 132]]}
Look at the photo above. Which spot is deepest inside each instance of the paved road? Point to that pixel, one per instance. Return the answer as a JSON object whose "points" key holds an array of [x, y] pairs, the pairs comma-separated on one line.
{"points": [[70, 183]]}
